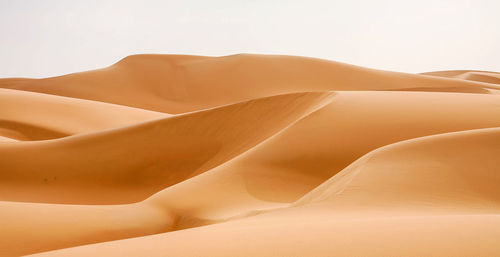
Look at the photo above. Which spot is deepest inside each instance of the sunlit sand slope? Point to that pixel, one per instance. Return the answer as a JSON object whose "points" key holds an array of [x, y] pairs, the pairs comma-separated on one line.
{"points": [[250, 155], [128, 164], [32, 116], [480, 76], [293, 162], [414, 198], [178, 83]]}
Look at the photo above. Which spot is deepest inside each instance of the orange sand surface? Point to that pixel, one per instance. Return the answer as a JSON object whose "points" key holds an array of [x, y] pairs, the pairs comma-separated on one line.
{"points": [[250, 155]]}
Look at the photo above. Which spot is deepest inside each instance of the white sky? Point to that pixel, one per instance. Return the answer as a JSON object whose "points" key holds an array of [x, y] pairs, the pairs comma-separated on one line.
{"points": [[49, 37]]}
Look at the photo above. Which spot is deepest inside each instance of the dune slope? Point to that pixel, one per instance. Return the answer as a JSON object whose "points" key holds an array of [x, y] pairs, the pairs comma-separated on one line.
{"points": [[179, 83], [250, 155], [412, 210], [285, 167], [128, 164], [30, 116], [480, 76]]}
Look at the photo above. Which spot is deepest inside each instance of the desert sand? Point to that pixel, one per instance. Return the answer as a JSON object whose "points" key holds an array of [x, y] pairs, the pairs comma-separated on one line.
{"points": [[250, 155]]}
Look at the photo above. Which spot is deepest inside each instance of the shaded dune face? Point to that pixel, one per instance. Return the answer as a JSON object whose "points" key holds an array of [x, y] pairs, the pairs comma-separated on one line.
{"points": [[417, 209], [299, 158], [130, 163], [436, 172], [249, 155], [31, 116], [22, 131]]}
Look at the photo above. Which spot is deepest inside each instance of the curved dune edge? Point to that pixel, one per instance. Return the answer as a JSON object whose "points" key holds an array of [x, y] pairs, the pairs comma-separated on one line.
{"points": [[30, 116], [400, 203], [479, 76], [237, 189], [285, 167], [181, 83], [128, 164], [250, 155], [7, 139], [431, 172], [98, 223], [303, 160]]}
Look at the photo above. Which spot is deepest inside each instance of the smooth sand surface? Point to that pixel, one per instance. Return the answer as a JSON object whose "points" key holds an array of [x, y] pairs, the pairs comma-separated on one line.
{"points": [[480, 76], [413, 198], [177, 83], [250, 155], [31, 116]]}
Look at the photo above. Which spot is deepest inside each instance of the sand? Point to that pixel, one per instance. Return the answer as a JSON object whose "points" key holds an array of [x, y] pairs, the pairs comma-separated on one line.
{"points": [[250, 155]]}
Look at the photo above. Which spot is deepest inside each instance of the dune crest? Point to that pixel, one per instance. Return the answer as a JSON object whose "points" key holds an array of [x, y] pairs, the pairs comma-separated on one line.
{"points": [[480, 76], [32, 116], [250, 155], [285, 167], [136, 161], [180, 83], [432, 172], [401, 204]]}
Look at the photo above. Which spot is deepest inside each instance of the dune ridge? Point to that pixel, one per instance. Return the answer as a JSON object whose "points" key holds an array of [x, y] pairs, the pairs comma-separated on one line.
{"points": [[442, 173], [285, 167], [179, 83], [250, 155], [136, 161], [480, 76], [32, 116], [345, 210]]}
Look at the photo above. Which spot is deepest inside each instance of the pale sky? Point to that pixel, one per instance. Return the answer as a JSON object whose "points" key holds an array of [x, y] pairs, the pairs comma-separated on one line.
{"points": [[55, 37]]}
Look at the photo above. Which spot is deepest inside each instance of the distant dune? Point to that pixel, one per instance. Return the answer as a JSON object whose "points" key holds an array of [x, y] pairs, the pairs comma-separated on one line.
{"points": [[176, 84], [250, 155], [480, 76]]}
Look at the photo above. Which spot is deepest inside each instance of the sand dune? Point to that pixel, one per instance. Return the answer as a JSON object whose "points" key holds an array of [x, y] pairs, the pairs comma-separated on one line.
{"points": [[177, 84], [33, 116], [480, 76], [36, 227], [317, 234], [437, 173], [413, 198], [250, 155], [285, 167], [128, 164]]}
